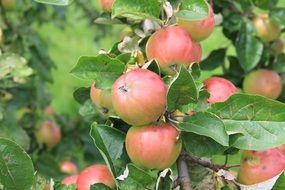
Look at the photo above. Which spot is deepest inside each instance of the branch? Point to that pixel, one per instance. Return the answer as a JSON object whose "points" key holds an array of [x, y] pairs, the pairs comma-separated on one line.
{"points": [[183, 174]]}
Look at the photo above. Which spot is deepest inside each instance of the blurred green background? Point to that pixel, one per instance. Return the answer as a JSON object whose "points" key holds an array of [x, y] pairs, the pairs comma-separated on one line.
{"points": [[77, 39]]}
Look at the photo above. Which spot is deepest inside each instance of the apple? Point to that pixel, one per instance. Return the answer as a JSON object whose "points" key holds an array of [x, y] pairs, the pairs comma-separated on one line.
{"points": [[199, 29], [49, 111], [266, 30], [277, 46], [259, 166], [8, 4], [219, 89], [282, 149], [263, 82], [153, 146], [102, 99], [68, 167], [106, 5], [98, 173], [139, 97], [48, 133], [170, 46], [70, 180]]}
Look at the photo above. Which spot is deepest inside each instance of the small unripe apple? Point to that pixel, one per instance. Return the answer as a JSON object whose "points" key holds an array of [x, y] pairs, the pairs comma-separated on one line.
{"points": [[266, 30], [8, 4], [102, 99], [277, 46], [139, 97], [68, 167], [219, 89], [70, 180], [48, 133], [153, 146], [259, 166], [106, 5], [263, 82], [97, 173], [170, 46], [199, 29]]}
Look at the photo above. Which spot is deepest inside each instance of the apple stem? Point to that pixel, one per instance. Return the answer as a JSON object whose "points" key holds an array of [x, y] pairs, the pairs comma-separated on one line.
{"points": [[183, 174]]}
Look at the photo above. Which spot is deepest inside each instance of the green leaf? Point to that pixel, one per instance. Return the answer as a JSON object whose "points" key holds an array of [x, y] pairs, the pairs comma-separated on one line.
{"points": [[164, 180], [39, 182], [214, 60], [248, 47], [182, 90], [110, 143], [55, 2], [81, 95], [265, 4], [193, 10], [201, 146], [137, 9], [16, 167], [277, 16], [206, 124], [102, 68], [257, 122], [59, 186], [280, 183], [100, 186], [136, 179]]}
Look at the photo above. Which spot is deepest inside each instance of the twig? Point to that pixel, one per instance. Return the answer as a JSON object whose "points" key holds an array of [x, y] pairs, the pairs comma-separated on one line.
{"points": [[183, 174]]}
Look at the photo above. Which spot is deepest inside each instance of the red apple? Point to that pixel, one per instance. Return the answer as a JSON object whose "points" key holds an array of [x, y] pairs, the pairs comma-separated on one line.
{"points": [[219, 89], [106, 5], [97, 173], [263, 82], [139, 97], [172, 45], [153, 146], [259, 166], [102, 99], [282, 149], [68, 167], [49, 111], [266, 30], [199, 29], [70, 180], [48, 133]]}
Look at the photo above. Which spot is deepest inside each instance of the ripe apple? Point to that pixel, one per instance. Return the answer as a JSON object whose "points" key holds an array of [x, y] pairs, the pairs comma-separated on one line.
{"points": [[139, 97], [68, 167], [199, 29], [259, 166], [48, 133], [102, 99], [97, 173], [8, 4], [263, 82], [70, 180], [172, 45], [282, 149], [277, 46], [266, 30], [106, 5], [153, 146], [219, 89]]}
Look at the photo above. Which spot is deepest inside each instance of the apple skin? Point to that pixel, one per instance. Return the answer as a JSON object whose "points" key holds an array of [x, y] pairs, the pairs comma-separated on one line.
{"points": [[219, 89], [172, 45], [199, 29], [266, 30], [102, 99], [277, 46], [139, 97], [70, 180], [48, 133], [263, 82], [98, 173], [259, 166], [106, 5], [153, 146], [68, 167]]}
